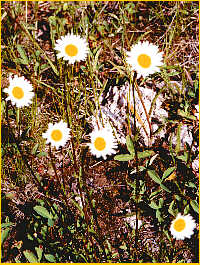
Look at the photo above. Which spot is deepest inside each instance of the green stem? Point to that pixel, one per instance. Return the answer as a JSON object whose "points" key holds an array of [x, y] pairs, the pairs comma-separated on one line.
{"points": [[18, 120], [137, 175]]}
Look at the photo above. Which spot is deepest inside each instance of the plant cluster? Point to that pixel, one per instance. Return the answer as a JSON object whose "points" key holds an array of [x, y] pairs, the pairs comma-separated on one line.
{"points": [[90, 177]]}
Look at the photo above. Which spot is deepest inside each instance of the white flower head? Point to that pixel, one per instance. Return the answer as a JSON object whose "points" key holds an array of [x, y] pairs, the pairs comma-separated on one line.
{"points": [[145, 58], [19, 91], [72, 48], [103, 142], [182, 226], [57, 134]]}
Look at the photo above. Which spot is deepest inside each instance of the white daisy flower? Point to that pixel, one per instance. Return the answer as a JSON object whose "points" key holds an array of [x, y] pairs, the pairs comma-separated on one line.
{"points": [[57, 134], [19, 91], [145, 58], [103, 142], [182, 227], [72, 48]]}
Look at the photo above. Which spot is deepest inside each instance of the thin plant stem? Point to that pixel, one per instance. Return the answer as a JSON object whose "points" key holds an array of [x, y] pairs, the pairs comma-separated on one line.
{"points": [[67, 102], [137, 174], [52, 163], [147, 115], [93, 209], [18, 120]]}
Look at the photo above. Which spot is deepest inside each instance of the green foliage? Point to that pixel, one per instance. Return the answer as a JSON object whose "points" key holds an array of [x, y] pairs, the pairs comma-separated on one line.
{"points": [[24, 58], [125, 157], [4, 235], [30, 256], [131, 156], [39, 251], [168, 172], [195, 205], [154, 176], [50, 258], [42, 211], [130, 145], [84, 201]]}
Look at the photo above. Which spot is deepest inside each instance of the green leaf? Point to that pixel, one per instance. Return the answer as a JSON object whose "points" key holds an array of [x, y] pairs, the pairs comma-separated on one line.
{"points": [[96, 59], [191, 185], [6, 225], [124, 247], [177, 197], [39, 252], [52, 19], [30, 256], [30, 237], [154, 206], [161, 201], [168, 172], [44, 66], [165, 188], [50, 258], [186, 115], [44, 231], [125, 157], [4, 235], [158, 216], [183, 157], [42, 211], [145, 154], [171, 210], [195, 205], [166, 232], [36, 67], [129, 144], [186, 209], [34, 149], [50, 222], [85, 259], [133, 185], [41, 154], [22, 54], [152, 174], [130, 7]]}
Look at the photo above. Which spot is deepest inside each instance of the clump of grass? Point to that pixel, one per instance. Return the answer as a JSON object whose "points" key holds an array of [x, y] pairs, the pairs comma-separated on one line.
{"points": [[66, 205]]}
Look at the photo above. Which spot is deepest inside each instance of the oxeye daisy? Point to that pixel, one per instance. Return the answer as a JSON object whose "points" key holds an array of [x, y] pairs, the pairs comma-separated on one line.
{"points": [[103, 142], [182, 226], [145, 58], [19, 91], [57, 134], [72, 48]]}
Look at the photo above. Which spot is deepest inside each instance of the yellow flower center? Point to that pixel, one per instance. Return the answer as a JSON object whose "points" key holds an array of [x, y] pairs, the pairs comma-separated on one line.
{"points": [[144, 60], [56, 135], [17, 92], [179, 225], [100, 143], [71, 50]]}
